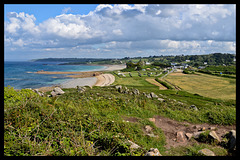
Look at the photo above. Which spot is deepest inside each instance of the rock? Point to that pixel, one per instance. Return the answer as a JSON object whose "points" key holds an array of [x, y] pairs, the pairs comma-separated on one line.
{"points": [[148, 96], [152, 119], [53, 94], [214, 136], [148, 128], [136, 91], [181, 137], [189, 135], [126, 90], [152, 135], [194, 107], [153, 152], [119, 88], [153, 95], [81, 89], [213, 128], [39, 93], [206, 152], [196, 127], [197, 134], [57, 91], [180, 103], [160, 99], [133, 145], [232, 139]]}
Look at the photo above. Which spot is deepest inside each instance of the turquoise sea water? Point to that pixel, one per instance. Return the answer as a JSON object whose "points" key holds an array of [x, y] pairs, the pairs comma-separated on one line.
{"points": [[19, 74]]}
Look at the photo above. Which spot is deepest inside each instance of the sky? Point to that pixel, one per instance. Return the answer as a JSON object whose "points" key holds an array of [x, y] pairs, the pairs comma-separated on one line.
{"points": [[34, 31]]}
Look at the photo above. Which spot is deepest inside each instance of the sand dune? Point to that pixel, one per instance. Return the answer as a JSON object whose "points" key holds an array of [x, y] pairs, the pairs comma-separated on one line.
{"points": [[91, 78], [105, 80]]}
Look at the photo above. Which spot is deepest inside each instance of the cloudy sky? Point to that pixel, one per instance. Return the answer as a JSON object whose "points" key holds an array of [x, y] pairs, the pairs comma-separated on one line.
{"points": [[117, 31]]}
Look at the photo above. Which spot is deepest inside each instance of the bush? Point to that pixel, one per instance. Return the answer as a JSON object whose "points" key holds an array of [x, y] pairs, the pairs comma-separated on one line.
{"points": [[164, 83]]}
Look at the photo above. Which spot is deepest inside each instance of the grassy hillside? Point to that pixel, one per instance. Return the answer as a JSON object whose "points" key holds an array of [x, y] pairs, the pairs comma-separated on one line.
{"points": [[96, 122]]}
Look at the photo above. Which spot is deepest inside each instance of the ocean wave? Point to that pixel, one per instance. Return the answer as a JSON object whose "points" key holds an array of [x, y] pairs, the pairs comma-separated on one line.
{"points": [[12, 78]]}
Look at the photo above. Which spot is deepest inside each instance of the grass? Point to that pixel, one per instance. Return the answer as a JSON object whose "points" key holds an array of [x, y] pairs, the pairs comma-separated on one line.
{"points": [[193, 150], [92, 123], [75, 123], [205, 85]]}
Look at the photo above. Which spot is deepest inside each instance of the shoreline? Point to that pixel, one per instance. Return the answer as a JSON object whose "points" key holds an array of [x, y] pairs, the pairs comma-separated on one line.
{"points": [[84, 78], [108, 68]]}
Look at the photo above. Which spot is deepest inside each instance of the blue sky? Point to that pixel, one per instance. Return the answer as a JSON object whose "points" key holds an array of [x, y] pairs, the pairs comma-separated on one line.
{"points": [[115, 31], [44, 11]]}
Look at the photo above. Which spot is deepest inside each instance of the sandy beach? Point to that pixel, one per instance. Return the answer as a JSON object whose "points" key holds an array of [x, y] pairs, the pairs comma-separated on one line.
{"points": [[91, 78]]}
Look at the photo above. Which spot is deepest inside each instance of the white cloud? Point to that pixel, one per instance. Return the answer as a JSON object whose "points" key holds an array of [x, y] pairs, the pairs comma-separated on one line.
{"points": [[19, 42], [170, 28], [117, 32], [21, 24]]}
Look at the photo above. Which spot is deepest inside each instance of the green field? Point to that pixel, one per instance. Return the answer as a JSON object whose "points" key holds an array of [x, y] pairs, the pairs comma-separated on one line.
{"points": [[205, 85]]}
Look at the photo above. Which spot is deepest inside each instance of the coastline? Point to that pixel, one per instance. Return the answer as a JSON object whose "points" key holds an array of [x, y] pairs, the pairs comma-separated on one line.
{"points": [[86, 78]]}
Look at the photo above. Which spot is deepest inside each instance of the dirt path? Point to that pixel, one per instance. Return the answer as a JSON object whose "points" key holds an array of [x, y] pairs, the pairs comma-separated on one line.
{"points": [[105, 80], [171, 127], [154, 82]]}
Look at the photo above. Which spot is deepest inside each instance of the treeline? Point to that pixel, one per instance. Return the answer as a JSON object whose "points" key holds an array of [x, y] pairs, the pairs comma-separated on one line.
{"points": [[193, 60], [70, 60]]}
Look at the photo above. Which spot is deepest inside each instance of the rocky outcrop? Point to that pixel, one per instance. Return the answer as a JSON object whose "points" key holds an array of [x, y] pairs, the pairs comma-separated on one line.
{"points": [[133, 145], [194, 107], [206, 152], [189, 135], [153, 95], [148, 128], [181, 137], [161, 100], [213, 135], [136, 91], [38, 92], [81, 89], [197, 134], [153, 152], [119, 88], [57, 91], [231, 136]]}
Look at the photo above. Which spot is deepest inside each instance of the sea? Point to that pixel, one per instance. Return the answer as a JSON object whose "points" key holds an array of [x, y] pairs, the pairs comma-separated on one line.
{"points": [[21, 74]]}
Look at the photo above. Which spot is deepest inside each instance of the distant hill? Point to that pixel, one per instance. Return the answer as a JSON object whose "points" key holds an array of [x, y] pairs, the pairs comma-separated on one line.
{"points": [[69, 60], [193, 60]]}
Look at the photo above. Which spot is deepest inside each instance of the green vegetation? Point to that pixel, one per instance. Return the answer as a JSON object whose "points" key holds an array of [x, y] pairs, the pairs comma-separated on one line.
{"points": [[193, 150], [164, 83], [99, 120], [90, 123], [95, 122], [160, 61], [223, 71]]}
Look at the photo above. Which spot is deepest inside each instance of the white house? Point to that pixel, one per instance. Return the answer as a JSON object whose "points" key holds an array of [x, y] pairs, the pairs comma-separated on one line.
{"points": [[173, 64]]}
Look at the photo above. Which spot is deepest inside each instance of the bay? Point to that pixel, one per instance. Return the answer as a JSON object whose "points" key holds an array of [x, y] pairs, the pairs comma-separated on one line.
{"points": [[21, 74]]}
